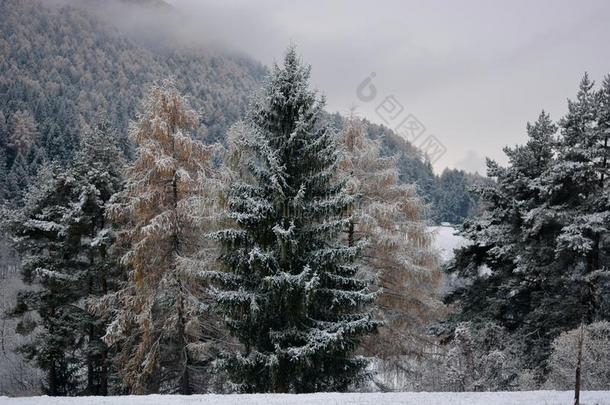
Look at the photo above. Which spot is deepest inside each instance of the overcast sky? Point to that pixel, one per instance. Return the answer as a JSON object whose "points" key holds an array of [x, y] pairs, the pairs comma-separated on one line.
{"points": [[472, 72]]}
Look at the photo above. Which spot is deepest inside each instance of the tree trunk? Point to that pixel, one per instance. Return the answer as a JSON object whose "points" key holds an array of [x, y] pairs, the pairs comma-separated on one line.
{"points": [[185, 380], [91, 383], [578, 365]]}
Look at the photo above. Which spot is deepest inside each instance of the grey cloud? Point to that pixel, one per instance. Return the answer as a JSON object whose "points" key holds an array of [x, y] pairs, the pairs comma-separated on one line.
{"points": [[473, 71]]}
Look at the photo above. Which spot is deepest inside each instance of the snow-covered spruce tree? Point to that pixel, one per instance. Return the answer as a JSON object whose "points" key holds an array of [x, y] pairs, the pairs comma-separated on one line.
{"points": [[3, 158], [63, 237], [602, 160], [159, 315], [50, 262], [98, 167], [398, 257], [288, 288]]}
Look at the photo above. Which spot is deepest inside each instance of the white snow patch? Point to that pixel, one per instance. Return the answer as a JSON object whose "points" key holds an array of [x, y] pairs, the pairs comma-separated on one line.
{"points": [[404, 398], [446, 240]]}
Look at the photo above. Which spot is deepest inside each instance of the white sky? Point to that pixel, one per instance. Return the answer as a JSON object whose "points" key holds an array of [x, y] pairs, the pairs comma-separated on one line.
{"points": [[473, 72]]}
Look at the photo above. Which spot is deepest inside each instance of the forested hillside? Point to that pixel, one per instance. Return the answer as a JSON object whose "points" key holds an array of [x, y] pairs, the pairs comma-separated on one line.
{"points": [[68, 67], [64, 69]]}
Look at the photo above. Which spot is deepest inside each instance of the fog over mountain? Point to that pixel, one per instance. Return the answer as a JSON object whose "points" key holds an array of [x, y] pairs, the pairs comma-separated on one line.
{"points": [[93, 61], [473, 72]]}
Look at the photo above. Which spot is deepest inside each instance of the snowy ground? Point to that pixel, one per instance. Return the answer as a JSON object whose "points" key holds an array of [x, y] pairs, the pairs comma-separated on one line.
{"points": [[407, 398]]}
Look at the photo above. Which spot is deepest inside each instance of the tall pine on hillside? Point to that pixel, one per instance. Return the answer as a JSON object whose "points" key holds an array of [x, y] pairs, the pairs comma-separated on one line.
{"points": [[158, 315], [289, 290], [398, 256]]}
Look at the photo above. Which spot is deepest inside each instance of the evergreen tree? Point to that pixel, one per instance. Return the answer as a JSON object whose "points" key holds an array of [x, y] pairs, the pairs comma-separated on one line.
{"points": [[452, 201], [603, 161], [18, 180], [62, 235], [398, 257], [576, 189], [544, 238], [51, 261], [159, 315], [98, 168], [289, 290], [509, 262]]}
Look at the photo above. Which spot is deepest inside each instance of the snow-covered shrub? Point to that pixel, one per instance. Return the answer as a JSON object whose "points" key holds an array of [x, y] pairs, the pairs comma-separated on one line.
{"points": [[595, 369], [482, 358]]}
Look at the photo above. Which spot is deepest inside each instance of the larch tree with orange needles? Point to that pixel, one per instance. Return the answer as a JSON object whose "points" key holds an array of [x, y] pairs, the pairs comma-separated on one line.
{"points": [[399, 258], [161, 323]]}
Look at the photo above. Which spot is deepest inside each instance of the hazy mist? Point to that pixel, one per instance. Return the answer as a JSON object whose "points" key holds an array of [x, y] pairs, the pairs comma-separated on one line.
{"points": [[473, 72]]}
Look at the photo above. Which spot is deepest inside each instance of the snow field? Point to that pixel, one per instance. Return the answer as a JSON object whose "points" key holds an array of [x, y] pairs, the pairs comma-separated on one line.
{"points": [[404, 398]]}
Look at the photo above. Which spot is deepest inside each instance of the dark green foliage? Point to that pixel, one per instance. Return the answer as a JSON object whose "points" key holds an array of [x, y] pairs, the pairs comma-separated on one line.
{"points": [[453, 200], [543, 240], [3, 158], [62, 234], [289, 292], [17, 180]]}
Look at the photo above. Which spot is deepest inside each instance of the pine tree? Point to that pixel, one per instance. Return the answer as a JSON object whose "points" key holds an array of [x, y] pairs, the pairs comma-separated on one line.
{"points": [[51, 261], [544, 237], [98, 168], [398, 257], [159, 315], [511, 257], [62, 234], [3, 159], [452, 201], [288, 289], [18, 180], [603, 123], [578, 199]]}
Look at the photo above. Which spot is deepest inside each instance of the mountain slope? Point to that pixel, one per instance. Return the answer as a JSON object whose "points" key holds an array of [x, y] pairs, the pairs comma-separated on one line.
{"points": [[68, 64], [68, 68]]}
